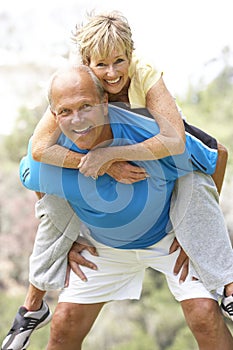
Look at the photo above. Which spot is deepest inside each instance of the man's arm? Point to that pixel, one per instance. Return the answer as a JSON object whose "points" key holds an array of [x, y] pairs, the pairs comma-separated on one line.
{"points": [[41, 178]]}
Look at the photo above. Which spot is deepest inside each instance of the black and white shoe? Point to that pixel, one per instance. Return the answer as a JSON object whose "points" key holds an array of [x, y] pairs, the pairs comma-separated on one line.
{"points": [[24, 324], [227, 307]]}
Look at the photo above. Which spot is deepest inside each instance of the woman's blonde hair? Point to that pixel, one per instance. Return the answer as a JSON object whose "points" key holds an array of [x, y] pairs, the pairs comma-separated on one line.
{"points": [[101, 35]]}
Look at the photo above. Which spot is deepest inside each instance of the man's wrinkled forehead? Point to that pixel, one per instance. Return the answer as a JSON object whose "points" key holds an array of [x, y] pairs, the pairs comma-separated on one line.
{"points": [[71, 78], [71, 83]]}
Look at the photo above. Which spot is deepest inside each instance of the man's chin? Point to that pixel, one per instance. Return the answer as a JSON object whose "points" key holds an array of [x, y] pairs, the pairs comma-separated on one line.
{"points": [[83, 145]]}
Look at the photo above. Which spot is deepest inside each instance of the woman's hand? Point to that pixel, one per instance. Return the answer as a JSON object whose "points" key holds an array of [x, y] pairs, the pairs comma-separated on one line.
{"points": [[126, 173], [98, 162]]}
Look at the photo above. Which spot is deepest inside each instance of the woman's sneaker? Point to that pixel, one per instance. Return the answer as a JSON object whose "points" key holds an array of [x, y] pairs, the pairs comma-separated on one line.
{"points": [[24, 324], [227, 307]]}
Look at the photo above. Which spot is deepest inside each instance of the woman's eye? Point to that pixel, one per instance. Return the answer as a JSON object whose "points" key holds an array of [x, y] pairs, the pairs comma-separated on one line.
{"points": [[101, 64], [120, 60]]}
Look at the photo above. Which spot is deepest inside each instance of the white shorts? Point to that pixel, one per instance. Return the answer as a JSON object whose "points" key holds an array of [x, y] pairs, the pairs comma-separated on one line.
{"points": [[120, 275]]}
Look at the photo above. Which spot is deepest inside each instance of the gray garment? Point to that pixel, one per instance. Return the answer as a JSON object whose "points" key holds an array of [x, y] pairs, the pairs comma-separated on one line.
{"points": [[58, 229], [195, 214], [201, 230]]}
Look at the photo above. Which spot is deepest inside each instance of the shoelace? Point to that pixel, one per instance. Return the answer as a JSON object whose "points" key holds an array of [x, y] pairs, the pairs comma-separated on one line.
{"points": [[29, 323], [229, 308]]}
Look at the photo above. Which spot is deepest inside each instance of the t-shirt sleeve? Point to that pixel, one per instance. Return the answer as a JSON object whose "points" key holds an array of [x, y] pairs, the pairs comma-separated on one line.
{"points": [[148, 77], [203, 149], [28, 174], [143, 76], [41, 177]]}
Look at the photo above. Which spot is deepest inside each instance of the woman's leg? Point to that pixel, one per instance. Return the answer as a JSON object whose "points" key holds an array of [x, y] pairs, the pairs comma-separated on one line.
{"points": [[201, 230]]}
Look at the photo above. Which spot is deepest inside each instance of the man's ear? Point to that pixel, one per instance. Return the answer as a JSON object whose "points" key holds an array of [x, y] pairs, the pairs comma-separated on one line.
{"points": [[54, 114], [105, 104]]}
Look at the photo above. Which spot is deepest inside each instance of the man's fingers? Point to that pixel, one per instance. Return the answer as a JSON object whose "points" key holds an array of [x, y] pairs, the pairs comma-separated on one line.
{"points": [[181, 262], [76, 269], [80, 260], [92, 250], [84, 244], [184, 271], [67, 276], [175, 245]]}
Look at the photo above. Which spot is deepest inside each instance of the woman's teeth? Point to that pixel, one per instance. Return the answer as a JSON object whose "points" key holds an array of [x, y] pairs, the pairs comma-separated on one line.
{"points": [[113, 81]]}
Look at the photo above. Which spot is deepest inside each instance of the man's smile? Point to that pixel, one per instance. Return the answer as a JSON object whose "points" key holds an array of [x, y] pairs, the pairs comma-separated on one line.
{"points": [[82, 131]]}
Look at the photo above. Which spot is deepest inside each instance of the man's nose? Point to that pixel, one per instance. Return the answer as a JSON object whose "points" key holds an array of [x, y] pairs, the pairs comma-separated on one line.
{"points": [[76, 117]]}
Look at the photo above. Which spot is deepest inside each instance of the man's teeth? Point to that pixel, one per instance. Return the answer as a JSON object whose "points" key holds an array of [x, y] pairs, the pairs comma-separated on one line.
{"points": [[113, 81], [81, 131]]}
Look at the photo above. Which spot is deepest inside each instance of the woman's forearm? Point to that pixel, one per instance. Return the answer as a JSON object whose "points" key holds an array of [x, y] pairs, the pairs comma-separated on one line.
{"points": [[45, 148], [171, 138], [61, 157], [162, 106]]}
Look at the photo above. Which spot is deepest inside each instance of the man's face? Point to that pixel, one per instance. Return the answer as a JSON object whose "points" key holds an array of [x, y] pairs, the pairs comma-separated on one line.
{"points": [[78, 110]]}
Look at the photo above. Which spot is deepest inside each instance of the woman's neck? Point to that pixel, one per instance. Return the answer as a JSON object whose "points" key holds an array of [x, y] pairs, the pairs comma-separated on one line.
{"points": [[121, 96]]}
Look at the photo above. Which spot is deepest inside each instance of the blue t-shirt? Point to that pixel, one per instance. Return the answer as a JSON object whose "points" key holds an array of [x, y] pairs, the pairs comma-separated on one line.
{"points": [[119, 215]]}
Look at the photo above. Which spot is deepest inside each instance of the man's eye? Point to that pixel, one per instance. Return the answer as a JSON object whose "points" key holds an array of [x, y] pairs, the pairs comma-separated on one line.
{"points": [[64, 112], [86, 108]]}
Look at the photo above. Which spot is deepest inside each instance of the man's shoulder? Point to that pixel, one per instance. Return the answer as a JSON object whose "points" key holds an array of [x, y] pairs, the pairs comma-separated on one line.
{"points": [[124, 110]]}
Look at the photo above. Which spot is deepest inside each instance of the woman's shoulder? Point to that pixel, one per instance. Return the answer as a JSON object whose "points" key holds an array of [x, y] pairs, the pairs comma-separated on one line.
{"points": [[139, 64]]}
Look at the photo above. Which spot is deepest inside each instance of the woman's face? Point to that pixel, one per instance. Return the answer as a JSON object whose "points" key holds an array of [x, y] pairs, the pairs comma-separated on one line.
{"points": [[112, 71]]}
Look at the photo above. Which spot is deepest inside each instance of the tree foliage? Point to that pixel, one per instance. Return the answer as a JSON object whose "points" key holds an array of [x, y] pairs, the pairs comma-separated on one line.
{"points": [[156, 321], [210, 106], [16, 143]]}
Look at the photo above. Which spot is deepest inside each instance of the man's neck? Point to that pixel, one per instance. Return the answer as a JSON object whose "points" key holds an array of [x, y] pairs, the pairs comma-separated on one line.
{"points": [[106, 136]]}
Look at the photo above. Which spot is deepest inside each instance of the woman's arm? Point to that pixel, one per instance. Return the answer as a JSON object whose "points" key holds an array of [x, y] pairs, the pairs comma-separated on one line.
{"points": [[219, 173], [170, 140], [162, 106], [44, 147]]}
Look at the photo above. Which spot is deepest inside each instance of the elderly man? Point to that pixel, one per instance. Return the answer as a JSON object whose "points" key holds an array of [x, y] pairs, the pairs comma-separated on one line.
{"points": [[128, 224]]}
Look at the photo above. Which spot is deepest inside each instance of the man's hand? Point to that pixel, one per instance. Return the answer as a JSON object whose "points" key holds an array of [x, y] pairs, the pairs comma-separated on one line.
{"points": [[75, 259], [182, 262]]}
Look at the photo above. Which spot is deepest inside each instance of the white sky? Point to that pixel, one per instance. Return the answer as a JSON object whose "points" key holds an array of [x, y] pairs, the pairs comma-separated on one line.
{"points": [[179, 36]]}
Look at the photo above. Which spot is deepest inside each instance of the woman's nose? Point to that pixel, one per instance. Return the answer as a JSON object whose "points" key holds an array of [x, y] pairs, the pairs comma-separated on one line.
{"points": [[111, 71]]}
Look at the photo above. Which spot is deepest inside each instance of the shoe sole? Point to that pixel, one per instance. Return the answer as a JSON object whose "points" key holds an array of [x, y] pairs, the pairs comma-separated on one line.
{"points": [[42, 324], [47, 320], [226, 314]]}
